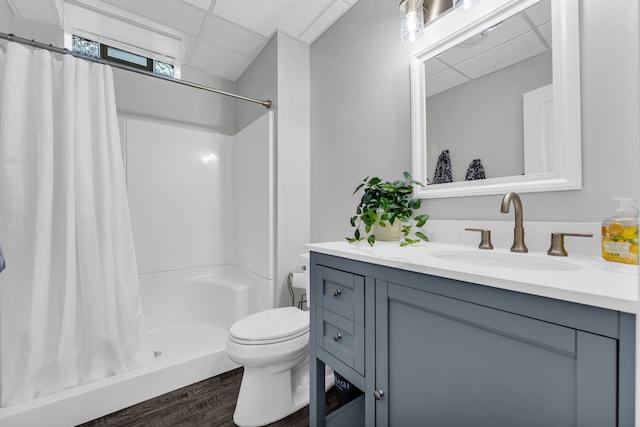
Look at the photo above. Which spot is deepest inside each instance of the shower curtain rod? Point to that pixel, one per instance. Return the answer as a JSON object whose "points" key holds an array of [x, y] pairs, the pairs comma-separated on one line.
{"points": [[33, 43]]}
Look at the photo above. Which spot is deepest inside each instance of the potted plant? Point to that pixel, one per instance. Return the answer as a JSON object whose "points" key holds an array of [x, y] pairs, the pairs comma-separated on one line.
{"points": [[385, 205]]}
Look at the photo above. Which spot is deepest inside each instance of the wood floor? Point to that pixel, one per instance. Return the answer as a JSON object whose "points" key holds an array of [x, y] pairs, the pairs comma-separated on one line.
{"points": [[208, 403]]}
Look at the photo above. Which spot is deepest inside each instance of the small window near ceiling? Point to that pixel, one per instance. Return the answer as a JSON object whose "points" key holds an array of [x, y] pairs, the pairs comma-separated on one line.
{"points": [[86, 47], [163, 68], [97, 50]]}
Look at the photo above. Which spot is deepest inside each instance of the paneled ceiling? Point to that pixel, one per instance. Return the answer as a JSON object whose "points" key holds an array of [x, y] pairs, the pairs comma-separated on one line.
{"points": [[518, 38], [220, 37]]}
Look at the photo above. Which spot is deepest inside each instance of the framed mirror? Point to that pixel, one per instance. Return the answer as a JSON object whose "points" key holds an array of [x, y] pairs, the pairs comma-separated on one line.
{"points": [[495, 100]]}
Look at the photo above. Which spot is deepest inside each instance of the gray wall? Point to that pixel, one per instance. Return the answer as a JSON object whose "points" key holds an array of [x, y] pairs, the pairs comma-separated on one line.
{"points": [[260, 80], [361, 123], [142, 96], [281, 73]]}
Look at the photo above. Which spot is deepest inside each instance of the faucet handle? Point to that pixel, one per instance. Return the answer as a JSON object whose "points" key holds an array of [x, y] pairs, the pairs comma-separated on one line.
{"points": [[557, 243], [485, 237]]}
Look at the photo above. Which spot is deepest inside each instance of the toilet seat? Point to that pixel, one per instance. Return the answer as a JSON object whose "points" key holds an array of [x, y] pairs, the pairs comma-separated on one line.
{"points": [[270, 326]]}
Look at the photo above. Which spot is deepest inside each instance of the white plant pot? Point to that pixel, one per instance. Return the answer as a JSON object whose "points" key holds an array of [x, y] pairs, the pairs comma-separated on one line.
{"points": [[390, 233]]}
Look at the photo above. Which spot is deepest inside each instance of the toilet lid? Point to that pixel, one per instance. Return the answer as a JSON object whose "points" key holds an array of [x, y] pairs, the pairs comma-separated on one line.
{"points": [[271, 325]]}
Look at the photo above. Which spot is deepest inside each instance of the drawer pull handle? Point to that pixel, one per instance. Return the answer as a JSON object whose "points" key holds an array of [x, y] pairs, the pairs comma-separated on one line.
{"points": [[337, 336], [378, 394], [336, 292]]}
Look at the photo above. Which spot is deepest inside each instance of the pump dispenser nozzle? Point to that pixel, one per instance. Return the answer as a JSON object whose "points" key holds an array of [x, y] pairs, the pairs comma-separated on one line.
{"points": [[627, 207]]}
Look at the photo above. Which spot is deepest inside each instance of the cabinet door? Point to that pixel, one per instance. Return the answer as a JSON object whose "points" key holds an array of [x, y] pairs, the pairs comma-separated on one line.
{"points": [[445, 362]]}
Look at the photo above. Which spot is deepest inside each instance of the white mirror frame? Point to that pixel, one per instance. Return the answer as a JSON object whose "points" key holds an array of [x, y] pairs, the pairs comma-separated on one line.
{"points": [[455, 27]]}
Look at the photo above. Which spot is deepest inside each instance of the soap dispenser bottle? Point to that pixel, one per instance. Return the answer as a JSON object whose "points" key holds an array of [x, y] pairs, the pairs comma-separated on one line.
{"points": [[620, 233]]}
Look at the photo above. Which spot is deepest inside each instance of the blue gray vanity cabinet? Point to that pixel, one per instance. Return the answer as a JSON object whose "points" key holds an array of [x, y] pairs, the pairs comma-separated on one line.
{"points": [[431, 351]]}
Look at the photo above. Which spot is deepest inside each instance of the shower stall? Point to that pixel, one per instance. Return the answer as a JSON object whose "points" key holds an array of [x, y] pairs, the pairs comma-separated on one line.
{"points": [[131, 245]]}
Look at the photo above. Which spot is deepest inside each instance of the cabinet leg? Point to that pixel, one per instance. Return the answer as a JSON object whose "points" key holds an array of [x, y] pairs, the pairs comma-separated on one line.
{"points": [[317, 398]]}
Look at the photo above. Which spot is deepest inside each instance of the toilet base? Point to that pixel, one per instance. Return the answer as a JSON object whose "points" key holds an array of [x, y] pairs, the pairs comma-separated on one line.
{"points": [[266, 396]]}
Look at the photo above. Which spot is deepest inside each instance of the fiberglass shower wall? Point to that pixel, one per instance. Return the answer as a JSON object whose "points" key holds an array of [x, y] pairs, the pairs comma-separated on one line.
{"points": [[199, 198]]}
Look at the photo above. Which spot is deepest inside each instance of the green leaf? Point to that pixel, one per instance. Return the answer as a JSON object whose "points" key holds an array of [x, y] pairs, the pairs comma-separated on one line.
{"points": [[353, 220], [373, 181], [421, 220], [388, 188], [357, 234], [382, 224], [371, 239], [358, 188], [368, 218], [407, 241], [421, 235], [406, 175], [351, 239], [406, 229], [384, 203], [414, 204], [367, 228]]}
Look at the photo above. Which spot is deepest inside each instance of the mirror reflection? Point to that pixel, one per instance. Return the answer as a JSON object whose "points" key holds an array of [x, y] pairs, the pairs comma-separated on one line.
{"points": [[489, 102]]}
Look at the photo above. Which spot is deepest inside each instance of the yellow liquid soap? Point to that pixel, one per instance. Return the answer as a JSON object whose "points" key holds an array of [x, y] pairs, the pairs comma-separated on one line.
{"points": [[620, 234]]}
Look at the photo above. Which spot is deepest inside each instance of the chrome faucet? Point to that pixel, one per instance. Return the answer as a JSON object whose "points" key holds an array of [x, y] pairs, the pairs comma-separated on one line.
{"points": [[518, 230]]}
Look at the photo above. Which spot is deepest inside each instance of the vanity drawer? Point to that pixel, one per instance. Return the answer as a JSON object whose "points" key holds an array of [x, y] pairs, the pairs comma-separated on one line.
{"points": [[342, 293], [341, 337]]}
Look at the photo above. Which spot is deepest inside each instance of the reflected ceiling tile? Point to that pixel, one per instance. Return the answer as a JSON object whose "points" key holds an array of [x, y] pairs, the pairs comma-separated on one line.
{"points": [[200, 4], [444, 80], [545, 30], [232, 36], [506, 54], [507, 30], [540, 12], [218, 60], [433, 66]]}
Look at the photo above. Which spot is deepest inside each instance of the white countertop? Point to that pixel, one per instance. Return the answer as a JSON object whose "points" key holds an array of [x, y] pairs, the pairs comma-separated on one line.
{"points": [[589, 280]]}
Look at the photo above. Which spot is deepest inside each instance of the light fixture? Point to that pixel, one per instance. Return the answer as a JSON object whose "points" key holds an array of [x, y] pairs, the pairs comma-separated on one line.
{"points": [[464, 4], [411, 20], [416, 14]]}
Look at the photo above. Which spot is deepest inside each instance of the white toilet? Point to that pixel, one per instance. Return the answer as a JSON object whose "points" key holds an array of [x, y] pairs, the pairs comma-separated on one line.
{"points": [[273, 347]]}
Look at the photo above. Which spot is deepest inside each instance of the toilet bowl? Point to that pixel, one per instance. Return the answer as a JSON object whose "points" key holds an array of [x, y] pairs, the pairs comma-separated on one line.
{"points": [[273, 347]]}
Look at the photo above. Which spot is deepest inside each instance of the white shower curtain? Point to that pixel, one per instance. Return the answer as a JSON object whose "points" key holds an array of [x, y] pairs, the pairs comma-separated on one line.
{"points": [[70, 309]]}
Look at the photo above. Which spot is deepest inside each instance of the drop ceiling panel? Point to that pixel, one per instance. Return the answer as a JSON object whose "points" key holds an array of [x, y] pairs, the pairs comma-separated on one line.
{"points": [[545, 31], [233, 30], [200, 4], [218, 60], [36, 10], [540, 12], [506, 31], [173, 13], [433, 66], [502, 56], [290, 16], [444, 80], [236, 38]]}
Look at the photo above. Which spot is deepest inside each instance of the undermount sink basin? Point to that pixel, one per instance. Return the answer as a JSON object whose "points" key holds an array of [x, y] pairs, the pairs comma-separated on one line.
{"points": [[507, 260]]}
